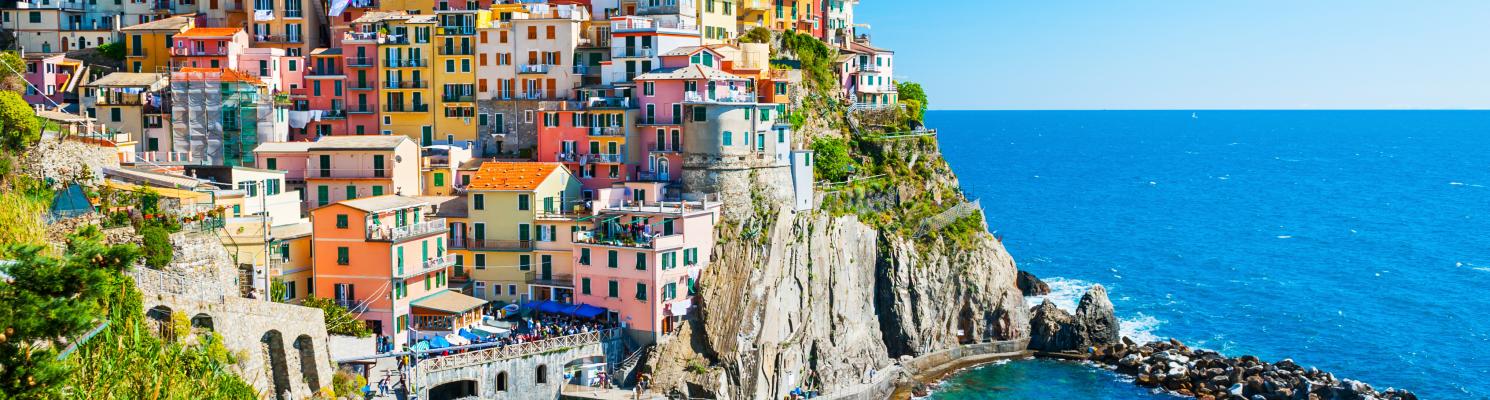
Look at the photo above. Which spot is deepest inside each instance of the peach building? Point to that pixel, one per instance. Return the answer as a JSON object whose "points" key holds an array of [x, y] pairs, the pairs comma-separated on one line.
{"points": [[348, 167], [382, 258], [641, 254], [208, 48]]}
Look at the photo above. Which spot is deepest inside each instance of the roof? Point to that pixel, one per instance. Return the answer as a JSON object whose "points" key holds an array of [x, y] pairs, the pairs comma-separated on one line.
{"points": [[448, 206], [690, 72], [137, 176], [512, 175], [62, 116], [172, 24], [421, 19], [864, 48], [326, 51], [359, 142], [689, 50], [383, 203], [379, 16], [298, 229], [283, 147], [129, 79], [209, 32], [449, 302]]}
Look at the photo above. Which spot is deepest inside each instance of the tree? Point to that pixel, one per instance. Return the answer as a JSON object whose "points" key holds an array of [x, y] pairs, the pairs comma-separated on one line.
{"points": [[112, 50], [339, 321], [913, 95], [48, 304], [18, 126], [756, 35], [831, 161], [158, 251], [13, 66]]}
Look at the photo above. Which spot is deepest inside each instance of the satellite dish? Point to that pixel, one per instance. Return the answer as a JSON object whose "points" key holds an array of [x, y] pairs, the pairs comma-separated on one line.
{"points": [[398, 158]]}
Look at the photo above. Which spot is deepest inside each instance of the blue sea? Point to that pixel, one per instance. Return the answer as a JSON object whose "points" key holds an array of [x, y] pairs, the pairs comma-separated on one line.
{"points": [[1354, 241]]}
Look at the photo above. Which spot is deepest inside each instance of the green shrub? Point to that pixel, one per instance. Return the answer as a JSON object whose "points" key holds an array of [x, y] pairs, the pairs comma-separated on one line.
{"points": [[914, 98], [112, 50], [756, 35], [157, 245], [831, 161], [339, 321], [345, 383]]}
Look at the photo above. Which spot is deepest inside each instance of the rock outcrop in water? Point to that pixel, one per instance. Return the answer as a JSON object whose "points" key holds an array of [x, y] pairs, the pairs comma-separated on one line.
{"points": [[1208, 375], [1030, 285], [1095, 324]]}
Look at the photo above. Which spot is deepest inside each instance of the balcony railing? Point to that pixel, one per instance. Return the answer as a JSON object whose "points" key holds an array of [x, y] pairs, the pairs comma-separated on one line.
{"points": [[329, 71], [360, 86], [405, 63], [363, 4], [602, 158], [588, 70], [334, 113], [869, 67], [294, 14], [499, 245], [180, 52], [639, 241], [353, 305], [560, 280], [533, 68], [278, 38], [609, 102], [119, 99], [722, 96], [430, 265], [465, 98], [361, 109], [400, 233], [165, 157], [359, 61], [346, 173], [633, 53], [359, 36], [456, 50], [405, 84], [608, 131], [401, 108], [456, 30]]}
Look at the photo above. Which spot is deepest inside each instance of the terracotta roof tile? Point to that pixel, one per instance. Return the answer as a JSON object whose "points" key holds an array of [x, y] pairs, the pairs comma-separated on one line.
{"points": [[497, 175], [209, 32]]}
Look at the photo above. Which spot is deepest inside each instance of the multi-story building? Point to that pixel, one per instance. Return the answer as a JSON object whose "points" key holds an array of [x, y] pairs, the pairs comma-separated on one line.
{"points": [[385, 260], [137, 105], [802, 16], [360, 47], [342, 168], [271, 66], [838, 21], [56, 26], [290, 157], [325, 94], [293, 25], [728, 143], [454, 78], [219, 115], [637, 42], [690, 76], [208, 48], [147, 46], [640, 255], [516, 211], [756, 14], [717, 21], [588, 137], [869, 76], [500, 110], [51, 79], [528, 54], [404, 52]]}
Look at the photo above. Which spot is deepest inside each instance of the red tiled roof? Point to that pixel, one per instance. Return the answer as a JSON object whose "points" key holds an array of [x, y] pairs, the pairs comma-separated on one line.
{"points": [[209, 32], [512, 175]]}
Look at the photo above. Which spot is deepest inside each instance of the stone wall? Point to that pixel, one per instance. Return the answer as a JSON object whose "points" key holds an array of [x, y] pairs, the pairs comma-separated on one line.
{"points": [[520, 373], [518, 135]]}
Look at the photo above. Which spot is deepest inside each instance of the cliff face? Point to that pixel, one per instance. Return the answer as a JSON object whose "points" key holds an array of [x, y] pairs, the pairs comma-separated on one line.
{"points": [[813, 301]]}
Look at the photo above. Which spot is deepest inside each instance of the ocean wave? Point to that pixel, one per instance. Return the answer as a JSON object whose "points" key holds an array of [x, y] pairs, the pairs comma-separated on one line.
{"points": [[1066, 293], [1140, 327]]}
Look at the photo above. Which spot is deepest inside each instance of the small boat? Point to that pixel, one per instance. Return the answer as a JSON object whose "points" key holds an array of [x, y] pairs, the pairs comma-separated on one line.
{"points": [[1194, 116]]}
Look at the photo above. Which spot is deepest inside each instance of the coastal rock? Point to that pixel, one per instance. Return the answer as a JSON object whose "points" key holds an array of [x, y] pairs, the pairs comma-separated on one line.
{"points": [[1030, 285], [1052, 329], [1096, 321], [1093, 326]]}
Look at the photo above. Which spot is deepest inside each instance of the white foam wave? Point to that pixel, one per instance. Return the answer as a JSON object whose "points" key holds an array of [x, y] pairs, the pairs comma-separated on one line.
{"points": [[1066, 293], [1285, 236], [1140, 327]]}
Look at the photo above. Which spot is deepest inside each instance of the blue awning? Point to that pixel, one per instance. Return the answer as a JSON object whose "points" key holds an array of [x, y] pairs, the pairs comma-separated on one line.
{"points": [[551, 307], [469, 335], [569, 309], [588, 311]]}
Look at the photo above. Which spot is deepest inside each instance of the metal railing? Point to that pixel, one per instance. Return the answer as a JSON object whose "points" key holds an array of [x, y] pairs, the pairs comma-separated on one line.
{"points": [[456, 30], [721, 96], [607, 131], [630, 241], [634, 52], [360, 86], [314, 172], [278, 38], [294, 14], [464, 98], [456, 50], [359, 61], [401, 108], [335, 113], [405, 63], [533, 68], [562, 280], [166, 157], [361, 109], [399, 233], [491, 244], [177, 51], [505, 352], [430, 265], [328, 71], [405, 84]]}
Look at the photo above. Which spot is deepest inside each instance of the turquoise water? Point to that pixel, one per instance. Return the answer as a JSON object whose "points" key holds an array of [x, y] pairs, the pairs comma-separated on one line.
{"points": [[1057, 380], [1354, 241]]}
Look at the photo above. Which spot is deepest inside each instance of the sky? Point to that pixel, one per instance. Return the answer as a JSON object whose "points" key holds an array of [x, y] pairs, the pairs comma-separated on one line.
{"points": [[1189, 54]]}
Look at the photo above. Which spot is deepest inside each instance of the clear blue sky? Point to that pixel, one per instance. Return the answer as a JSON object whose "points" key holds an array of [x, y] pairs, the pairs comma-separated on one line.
{"points": [[1182, 54]]}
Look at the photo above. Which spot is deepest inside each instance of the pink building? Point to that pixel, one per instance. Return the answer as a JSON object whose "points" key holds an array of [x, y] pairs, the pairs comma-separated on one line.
{"points": [[641, 256], [268, 64], [589, 137], [208, 47], [291, 157], [325, 82], [50, 76], [658, 147], [360, 51]]}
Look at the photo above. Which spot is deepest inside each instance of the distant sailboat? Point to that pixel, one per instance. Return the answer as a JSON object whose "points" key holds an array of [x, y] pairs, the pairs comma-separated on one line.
{"points": [[1194, 116]]}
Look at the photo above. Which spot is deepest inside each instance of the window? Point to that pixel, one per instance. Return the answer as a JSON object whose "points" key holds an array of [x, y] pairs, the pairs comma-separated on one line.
{"points": [[377, 190], [614, 289], [641, 291], [584, 256], [269, 163], [641, 261], [480, 201], [343, 256], [524, 262], [700, 114], [522, 202], [648, 89], [584, 286], [728, 139], [323, 195], [511, 290], [611, 256], [669, 291], [351, 192], [341, 221], [550, 31], [523, 233], [439, 179], [480, 261]]}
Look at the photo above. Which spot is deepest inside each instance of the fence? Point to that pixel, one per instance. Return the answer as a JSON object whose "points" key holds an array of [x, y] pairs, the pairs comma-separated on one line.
{"points": [[948, 217], [504, 352]]}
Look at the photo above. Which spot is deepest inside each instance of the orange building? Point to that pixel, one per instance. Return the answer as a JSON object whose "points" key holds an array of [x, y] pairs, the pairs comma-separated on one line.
{"points": [[382, 258]]}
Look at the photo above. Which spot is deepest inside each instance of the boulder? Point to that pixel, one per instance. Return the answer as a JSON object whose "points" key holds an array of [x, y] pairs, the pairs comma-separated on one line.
{"points": [[1096, 321], [1051, 329], [1031, 285]]}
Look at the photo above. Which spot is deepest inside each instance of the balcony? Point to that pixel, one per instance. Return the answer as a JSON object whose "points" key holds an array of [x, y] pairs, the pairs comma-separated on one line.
{"points": [[755, 5], [458, 98], [556, 280], [120, 99], [180, 52], [723, 96], [346, 173], [672, 9], [86, 26], [165, 157], [278, 39], [430, 265], [334, 114], [401, 233], [602, 158], [633, 53], [360, 86], [608, 131], [869, 68], [359, 61], [360, 36], [638, 241], [456, 50], [608, 102], [533, 68], [456, 30], [398, 63], [361, 109], [353, 305], [294, 14], [329, 71], [418, 108], [405, 84], [363, 4], [586, 70], [499, 245]]}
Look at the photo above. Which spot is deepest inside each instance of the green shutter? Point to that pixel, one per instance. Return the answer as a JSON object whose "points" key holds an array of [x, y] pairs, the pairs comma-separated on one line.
{"points": [[641, 261]]}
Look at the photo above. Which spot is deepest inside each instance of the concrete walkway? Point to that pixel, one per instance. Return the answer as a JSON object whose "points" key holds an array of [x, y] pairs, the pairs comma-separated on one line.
{"points": [[577, 392]]}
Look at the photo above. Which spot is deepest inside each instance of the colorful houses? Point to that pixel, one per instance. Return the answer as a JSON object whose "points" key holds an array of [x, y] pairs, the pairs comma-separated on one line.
{"points": [[147, 46], [384, 259], [340, 168], [517, 211], [218, 115], [868, 75], [137, 105], [51, 79]]}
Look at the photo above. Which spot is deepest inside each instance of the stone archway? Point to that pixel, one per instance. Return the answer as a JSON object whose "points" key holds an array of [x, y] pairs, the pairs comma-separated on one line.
{"points": [[202, 321], [274, 354], [308, 373], [160, 320], [453, 390], [540, 374], [501, 382]]}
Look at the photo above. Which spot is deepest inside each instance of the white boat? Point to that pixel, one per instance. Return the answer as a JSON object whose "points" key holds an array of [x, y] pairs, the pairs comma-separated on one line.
{"points": [[1194, 116]]}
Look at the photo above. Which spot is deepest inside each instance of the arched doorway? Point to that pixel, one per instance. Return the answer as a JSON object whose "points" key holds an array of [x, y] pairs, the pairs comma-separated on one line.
{"points": [[662, 170], [307, 350], [501, 383], [540, 374], [202, 321], [274, 354], [453, 390], [160, 319]]}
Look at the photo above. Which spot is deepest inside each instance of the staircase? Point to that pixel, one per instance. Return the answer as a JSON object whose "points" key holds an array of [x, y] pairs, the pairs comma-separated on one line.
{"points": [[626, 369]]}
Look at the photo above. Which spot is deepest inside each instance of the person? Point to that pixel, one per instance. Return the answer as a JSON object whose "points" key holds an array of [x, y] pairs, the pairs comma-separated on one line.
{"points": [[383, 387]]}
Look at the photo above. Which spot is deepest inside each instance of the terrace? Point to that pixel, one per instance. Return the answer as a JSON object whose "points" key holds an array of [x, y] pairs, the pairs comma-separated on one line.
{"points": [[401, 233]]}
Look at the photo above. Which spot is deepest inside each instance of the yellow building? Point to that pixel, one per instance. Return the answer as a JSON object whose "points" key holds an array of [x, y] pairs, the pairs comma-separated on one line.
{"points": [[520, 216], [717, 21], [756, 13], [454, 78], [147, 46], [405, 49]]}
